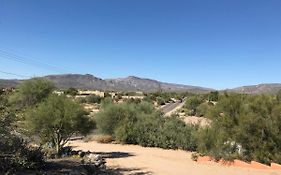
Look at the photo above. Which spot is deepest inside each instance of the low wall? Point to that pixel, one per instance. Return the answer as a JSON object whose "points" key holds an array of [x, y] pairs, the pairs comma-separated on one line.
{"points": [[242, 164]]}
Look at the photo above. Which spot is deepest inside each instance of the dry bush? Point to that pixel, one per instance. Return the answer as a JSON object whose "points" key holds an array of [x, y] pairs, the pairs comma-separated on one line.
{"points": [[104, 139]]}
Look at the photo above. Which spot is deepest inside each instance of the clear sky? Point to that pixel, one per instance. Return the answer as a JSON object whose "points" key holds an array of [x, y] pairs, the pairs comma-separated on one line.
{"points": [[212, 43]]}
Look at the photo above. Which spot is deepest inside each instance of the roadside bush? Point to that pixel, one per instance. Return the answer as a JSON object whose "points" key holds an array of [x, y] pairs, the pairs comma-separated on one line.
{"points": [[141, 124], [81, 100], [214, 96], [93, 99], [203, 109], [175, 134], [246, 127], [192, 104], [106, 101], [132, 100], [243, 127], [215, 144], [111, 116], [140, 129], [90, 99], [160, 101], [71, 91]]}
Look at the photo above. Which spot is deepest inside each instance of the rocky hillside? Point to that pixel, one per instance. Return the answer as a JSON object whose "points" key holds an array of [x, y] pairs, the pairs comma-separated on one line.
{"points": [[130, 83], [133, 83], [8, 83], [258, 89], [77, 81]]}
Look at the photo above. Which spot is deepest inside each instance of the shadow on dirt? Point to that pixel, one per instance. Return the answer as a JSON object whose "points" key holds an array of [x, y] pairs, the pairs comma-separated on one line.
{"points": [[130, 171], [114, 155]]}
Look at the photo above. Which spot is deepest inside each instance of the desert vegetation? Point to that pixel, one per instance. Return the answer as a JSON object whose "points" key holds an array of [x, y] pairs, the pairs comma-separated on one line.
{"points": [[35, 120], [242, 126], [245, 127], [15, 153], [141, 124]]}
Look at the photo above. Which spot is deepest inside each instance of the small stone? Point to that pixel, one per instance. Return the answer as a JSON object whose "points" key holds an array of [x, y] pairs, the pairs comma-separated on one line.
{"points": [[82, 154], [94, 157]]}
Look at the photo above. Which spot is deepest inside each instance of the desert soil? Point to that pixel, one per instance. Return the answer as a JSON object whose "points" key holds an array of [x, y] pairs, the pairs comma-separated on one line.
{"points": [[133, 159]]}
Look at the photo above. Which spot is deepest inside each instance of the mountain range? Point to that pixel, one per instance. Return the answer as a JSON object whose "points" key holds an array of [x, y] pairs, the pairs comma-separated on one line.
{"points": [[133, 83]]}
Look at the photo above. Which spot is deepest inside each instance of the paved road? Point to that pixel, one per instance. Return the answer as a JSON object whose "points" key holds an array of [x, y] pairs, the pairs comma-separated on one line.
{"points": [[170, 108]]}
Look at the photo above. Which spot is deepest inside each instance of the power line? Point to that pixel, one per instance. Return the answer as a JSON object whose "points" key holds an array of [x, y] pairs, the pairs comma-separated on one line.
{"points": [[29, 61], [9, 73]]}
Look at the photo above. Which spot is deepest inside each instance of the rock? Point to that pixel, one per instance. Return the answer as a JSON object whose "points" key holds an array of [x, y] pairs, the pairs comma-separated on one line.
{"points": [[94, 157], [81, 154], [94, 160]]}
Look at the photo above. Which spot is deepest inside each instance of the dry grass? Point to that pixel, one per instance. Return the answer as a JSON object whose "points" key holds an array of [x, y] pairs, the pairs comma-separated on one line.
{"points": [[104, 139]]}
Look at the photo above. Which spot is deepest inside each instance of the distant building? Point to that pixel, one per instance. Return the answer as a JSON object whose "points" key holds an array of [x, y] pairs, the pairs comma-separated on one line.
{"points": [[7, 90], [89, 92], [113, 94], [133, 97], [58, 92]]}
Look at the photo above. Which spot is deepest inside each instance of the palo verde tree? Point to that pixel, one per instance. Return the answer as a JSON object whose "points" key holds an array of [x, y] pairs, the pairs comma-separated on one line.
{"points": [[71, 91], [243, 126], [56, 120], [31, 92], [214, 96], [192, 103], [278, 96]]}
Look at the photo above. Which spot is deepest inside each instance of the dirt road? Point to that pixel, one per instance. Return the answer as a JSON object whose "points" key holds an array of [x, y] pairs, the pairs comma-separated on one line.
{"points": [[137, 160]]}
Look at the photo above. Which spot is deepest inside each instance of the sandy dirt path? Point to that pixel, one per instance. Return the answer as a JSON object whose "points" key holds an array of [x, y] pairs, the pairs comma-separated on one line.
{"points": [[137, 160]]}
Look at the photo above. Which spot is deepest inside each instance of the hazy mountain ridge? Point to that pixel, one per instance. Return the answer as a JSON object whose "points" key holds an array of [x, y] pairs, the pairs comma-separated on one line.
{"points": [[6, 83], [130, 83], [258, 89], [133, 83]]}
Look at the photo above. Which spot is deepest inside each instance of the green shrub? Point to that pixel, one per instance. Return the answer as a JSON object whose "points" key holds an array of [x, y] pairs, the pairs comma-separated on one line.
{"points": [[160, 101], [56, 120], [81, 100], [71, 91], [214, 96], [93, 99], [175, 134], [245, 127], [31, 92], [110, 117], [192, 104], [203, 109], [15, 155], [141, 124]]}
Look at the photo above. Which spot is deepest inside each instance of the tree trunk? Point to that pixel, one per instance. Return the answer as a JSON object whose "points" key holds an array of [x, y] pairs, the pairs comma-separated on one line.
{"points": [[58, 145], [58, 150]]}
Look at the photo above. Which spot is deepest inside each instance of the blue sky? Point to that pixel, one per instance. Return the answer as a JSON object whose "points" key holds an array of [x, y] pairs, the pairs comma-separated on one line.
{"points": [[212, 43]]}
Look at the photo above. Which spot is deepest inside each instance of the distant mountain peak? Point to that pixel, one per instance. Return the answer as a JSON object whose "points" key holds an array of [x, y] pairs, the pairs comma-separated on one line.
{"points": [[258, 89], [134, 83], [130, 83], [133, 77]]}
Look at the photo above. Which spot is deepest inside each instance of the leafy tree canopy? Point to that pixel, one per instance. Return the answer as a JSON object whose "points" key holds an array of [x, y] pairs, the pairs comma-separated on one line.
{"points": [[31, 92], [57, 119]]}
